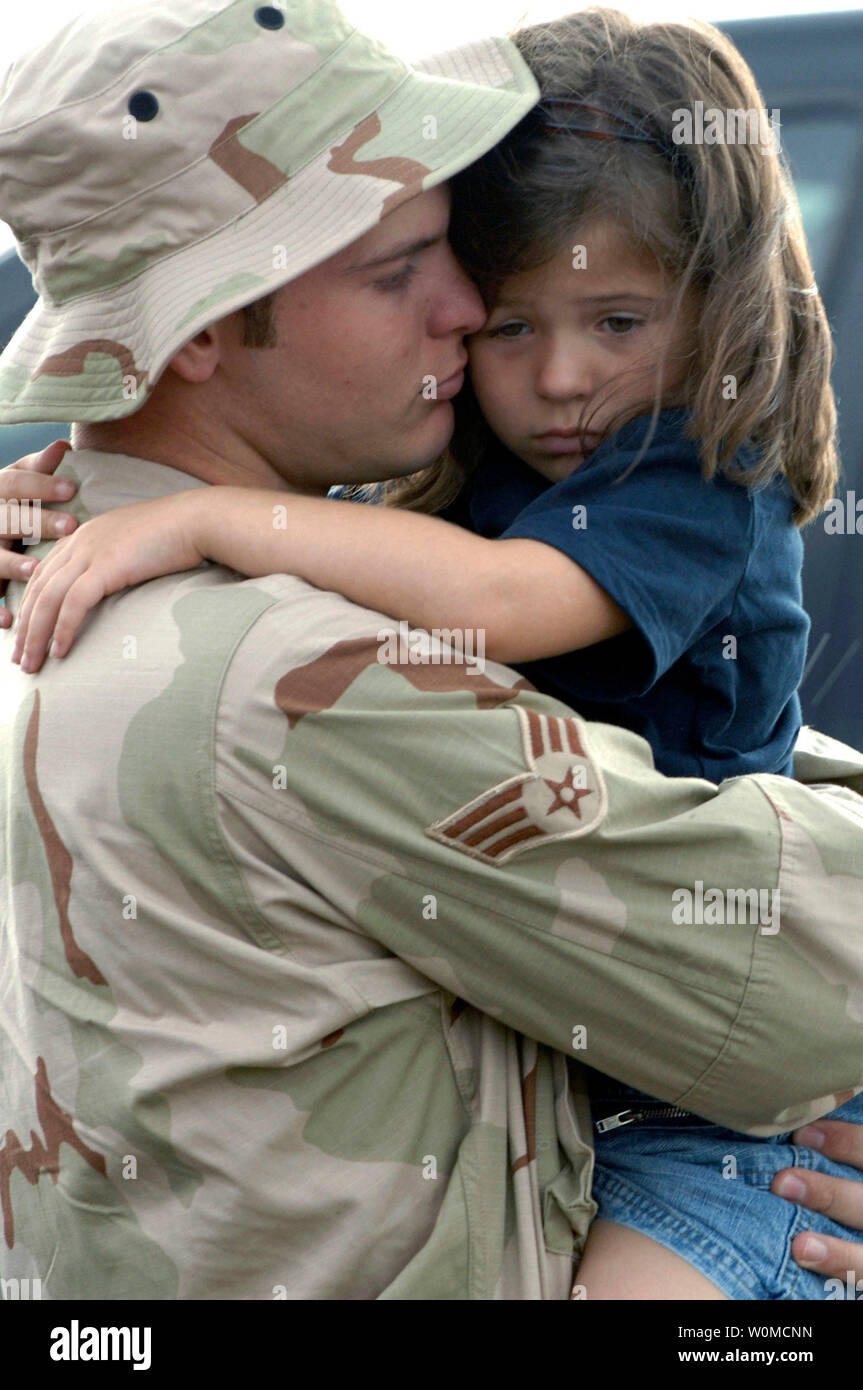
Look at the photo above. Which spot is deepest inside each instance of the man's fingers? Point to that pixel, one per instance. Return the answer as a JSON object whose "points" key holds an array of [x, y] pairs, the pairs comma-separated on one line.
{"points": [[828, 1255], [836, 1139], [839, 1198], [31, 476], [22, 514], [14, 565], [19, 482], [32, 523], [57, 524], [46, 460], [24, 487], [30, 481]]}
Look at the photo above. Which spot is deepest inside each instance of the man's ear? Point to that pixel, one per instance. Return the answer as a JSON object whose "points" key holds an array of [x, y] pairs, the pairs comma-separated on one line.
{"points": [[198, 359]]}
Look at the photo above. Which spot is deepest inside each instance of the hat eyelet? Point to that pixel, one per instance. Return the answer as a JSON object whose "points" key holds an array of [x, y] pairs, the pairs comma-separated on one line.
{"points": [[269, 17], [143, 106]]}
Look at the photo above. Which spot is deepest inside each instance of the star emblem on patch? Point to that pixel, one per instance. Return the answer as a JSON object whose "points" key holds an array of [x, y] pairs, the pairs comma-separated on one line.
{"points": [[560, 796]]}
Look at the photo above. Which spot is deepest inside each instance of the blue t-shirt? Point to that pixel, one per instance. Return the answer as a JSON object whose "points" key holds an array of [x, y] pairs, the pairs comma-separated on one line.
{"points": [[708, 572]]}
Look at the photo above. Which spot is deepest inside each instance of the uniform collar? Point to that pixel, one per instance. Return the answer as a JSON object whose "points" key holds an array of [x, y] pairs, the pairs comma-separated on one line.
{"points": [[106, 481]]}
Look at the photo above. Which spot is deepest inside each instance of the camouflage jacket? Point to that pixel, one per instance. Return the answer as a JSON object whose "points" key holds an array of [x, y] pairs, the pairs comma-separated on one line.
{"points": [[301, 949]]}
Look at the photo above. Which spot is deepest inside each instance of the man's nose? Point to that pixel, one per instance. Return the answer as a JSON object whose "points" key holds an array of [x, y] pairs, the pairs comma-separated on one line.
{"points": [[566, 371], [457, 307]]}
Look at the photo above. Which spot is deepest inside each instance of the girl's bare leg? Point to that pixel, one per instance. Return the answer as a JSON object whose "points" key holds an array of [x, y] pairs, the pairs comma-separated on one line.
{"points": [[620, 1263]]}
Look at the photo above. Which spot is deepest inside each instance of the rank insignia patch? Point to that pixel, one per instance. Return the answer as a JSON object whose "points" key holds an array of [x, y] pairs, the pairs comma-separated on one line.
{"points": [[561, 796]]}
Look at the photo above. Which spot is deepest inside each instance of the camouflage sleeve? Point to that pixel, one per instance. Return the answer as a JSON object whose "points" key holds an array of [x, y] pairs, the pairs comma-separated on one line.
{"points": [[698, 942]]}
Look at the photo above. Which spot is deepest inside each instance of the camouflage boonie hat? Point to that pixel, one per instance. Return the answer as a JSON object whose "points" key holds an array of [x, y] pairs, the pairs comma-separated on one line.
{"points": [[166, 164]]}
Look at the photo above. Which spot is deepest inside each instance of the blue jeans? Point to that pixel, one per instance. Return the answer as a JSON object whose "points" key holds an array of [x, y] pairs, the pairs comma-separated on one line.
{"points": [[674, 1180]]}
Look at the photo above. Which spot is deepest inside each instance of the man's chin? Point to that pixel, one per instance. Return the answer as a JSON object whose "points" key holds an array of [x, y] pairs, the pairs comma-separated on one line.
{"points": [[422, 447], [417, 447]]}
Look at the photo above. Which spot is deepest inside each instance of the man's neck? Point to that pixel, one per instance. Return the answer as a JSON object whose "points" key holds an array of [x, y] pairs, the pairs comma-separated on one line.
{"points": [[190, 447]]}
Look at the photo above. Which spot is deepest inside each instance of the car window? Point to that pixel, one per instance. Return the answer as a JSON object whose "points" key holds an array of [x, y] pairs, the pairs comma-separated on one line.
{"points": [[822, 150]]}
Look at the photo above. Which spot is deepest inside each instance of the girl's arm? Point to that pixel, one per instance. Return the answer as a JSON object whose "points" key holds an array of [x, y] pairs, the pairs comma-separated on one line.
{"points": [[530, 599]]}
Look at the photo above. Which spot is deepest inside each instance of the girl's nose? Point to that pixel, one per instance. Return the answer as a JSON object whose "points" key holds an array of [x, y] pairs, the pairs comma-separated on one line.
{"points": [[566, 372]]}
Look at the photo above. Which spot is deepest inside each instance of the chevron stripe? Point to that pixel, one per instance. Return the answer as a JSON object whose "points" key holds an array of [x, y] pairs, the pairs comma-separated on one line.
{"points": [[487, 832], [529, 832], [550, 733], [545, 802], [488, 808]]}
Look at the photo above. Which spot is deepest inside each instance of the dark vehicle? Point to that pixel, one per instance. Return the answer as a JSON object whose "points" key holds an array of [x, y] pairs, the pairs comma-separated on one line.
{"points": [[810, 68]]}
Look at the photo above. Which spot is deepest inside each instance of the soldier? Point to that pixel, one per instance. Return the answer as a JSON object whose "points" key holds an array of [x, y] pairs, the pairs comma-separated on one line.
{"points": [[304, 949]]}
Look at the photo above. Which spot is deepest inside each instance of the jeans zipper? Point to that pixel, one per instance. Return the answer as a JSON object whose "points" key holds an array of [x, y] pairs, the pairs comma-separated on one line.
{"points": [[632, 1117]]}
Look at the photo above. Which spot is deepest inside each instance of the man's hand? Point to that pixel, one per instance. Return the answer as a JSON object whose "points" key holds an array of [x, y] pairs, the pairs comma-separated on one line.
{"points": [[22, 483], [838, 1198]]}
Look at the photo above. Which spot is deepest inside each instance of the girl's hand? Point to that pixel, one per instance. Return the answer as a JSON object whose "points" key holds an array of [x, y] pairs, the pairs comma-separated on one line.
{"points": [[22, 483], [127, 545]]}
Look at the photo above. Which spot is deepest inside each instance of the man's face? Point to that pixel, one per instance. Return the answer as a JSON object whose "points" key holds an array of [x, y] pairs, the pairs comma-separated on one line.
{"points": [[363, 342]]}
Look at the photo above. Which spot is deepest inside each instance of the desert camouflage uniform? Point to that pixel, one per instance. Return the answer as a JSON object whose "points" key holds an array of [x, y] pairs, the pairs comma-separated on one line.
{"points": [[279, 923]]}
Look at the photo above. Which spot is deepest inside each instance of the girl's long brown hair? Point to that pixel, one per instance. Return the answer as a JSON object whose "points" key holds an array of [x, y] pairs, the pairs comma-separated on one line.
{"points": [[721, 219]]}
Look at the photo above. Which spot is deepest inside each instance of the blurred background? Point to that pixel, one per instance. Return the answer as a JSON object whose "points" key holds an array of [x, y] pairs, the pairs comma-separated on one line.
{"points": [[809, 64]]}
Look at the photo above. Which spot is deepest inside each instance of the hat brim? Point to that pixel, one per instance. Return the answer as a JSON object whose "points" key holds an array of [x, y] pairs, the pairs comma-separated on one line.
{"points": [[98, 357]]}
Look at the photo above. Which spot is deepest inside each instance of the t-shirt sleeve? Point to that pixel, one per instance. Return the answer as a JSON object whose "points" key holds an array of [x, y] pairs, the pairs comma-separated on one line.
{"points": [[667, 546]]}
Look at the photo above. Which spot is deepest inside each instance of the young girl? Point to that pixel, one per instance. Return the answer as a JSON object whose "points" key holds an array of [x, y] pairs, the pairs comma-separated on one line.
{"points": [[648, 423]]}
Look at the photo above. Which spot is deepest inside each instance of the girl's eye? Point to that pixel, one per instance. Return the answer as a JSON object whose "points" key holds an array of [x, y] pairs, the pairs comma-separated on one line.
{"points": [[399, 280], [510, 329], [621, 324]]}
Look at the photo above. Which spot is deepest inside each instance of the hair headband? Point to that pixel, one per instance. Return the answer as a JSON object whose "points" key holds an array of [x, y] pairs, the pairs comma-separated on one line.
{"points": [[634, 133]]}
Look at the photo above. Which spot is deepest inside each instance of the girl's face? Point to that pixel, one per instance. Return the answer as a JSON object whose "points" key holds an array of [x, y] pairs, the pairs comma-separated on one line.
{"points": [[582, 335]]}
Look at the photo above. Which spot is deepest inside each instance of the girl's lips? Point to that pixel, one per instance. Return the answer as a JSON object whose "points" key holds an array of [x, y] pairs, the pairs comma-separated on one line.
{"points": [[560, 442]]}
